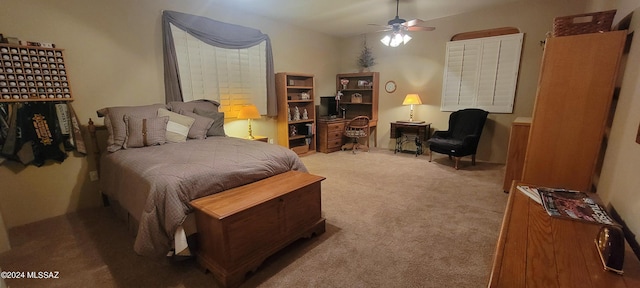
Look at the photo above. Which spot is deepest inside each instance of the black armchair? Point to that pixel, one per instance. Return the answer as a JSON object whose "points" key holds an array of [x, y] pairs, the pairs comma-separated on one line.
{"points": [[465, 128]]}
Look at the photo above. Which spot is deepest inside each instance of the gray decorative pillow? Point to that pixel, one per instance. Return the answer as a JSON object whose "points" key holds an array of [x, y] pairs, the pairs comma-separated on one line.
{"points": [[203, 104], [200, 127], [114, 121], [178, 126], [217, 129], [143, 132]]}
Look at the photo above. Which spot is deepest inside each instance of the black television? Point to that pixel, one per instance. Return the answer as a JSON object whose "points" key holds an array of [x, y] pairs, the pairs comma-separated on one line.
{"points": [[328, 106]]}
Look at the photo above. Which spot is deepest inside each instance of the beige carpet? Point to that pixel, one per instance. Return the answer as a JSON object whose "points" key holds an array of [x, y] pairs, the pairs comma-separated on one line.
{"points": [[393, 220]]}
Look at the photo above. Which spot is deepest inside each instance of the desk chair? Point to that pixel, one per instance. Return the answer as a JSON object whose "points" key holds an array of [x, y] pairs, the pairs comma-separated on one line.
{"points": [[357, 128]]}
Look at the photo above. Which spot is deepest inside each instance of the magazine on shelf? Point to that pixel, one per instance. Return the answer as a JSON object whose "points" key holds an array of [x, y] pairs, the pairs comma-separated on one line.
{"points": [[571, 204], [531, 192]]}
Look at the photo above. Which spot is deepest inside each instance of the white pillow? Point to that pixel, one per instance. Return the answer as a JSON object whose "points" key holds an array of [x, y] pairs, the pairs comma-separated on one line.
{"points": [[178, 126]]}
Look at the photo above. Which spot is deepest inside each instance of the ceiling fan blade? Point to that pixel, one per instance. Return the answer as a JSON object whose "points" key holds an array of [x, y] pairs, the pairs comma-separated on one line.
{"points": [[413, 22], [420, 28], [384, 27]]}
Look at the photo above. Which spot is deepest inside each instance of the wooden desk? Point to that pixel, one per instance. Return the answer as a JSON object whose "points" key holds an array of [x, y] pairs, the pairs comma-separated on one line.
{"points": [[330, 131], [422, 131], [536, 250], [329, 134]]}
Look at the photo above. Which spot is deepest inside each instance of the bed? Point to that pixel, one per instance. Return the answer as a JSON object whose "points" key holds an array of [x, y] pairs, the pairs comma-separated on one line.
{"points": [[154, 180]]}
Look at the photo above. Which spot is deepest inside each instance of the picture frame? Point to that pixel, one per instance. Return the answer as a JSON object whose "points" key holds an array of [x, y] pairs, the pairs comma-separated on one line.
{"points": [[363, 83]]}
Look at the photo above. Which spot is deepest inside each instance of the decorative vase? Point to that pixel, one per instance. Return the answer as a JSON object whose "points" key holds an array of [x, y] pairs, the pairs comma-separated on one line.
{"points": [[344, 83]]}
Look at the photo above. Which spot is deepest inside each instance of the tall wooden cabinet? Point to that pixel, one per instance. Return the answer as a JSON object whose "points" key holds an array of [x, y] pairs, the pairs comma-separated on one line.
{"points": [[296, 130], [517, 150], [575, 89]]}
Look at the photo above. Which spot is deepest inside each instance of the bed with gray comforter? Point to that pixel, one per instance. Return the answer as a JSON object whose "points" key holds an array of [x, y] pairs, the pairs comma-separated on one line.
{"points": [[155, 184]]}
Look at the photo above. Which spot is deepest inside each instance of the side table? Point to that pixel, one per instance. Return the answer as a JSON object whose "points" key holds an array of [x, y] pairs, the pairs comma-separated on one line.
{"points": [[399, 128], [259, 138]]}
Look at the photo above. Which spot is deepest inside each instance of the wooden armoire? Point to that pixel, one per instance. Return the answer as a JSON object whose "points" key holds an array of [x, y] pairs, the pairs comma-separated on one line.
{"points": [[575, 90]]}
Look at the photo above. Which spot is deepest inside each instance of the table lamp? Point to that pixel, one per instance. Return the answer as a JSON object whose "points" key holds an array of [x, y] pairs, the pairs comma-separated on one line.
{"points": [[249, 112], [412, 99]]}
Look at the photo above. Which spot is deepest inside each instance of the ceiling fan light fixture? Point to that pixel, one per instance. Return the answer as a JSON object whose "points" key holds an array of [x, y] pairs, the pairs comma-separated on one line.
{"points": [[406, 38], [395, 39], [386, 40], [399, 28]]}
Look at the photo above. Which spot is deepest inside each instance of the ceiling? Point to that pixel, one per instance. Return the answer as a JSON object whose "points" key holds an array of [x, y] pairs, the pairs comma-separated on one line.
{"points": [[345, 18]]}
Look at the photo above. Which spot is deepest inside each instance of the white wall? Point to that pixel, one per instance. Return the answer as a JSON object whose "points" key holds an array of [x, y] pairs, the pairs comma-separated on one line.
{"points": [[619, 179]]}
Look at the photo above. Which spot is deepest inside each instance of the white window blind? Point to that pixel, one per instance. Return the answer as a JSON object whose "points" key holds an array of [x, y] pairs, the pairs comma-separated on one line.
{"points": [[233, 77], [482, 73]]}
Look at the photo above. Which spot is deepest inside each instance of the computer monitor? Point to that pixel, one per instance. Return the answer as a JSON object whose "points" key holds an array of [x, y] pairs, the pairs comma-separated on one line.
{"points": [[328, 106]]}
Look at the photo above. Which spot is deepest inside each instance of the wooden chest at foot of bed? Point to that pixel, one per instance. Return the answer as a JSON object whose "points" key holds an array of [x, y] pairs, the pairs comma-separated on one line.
{"points": [[239, 228]]}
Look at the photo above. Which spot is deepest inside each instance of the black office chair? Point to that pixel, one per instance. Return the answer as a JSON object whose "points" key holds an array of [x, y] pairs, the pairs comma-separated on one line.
{"points": [[357, 128], [465, 128]]}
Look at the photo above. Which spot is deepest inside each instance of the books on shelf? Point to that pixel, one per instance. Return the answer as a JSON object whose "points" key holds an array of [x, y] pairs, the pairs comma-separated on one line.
{"points": [[568, 204]]}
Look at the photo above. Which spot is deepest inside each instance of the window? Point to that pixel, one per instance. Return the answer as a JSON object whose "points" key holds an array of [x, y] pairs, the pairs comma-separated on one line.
{"points": [[233, 66], [482, 73], [233, 77]]}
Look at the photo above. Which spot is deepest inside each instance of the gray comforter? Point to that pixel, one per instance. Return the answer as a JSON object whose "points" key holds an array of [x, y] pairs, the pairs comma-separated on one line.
{"points": [[155, 184]]}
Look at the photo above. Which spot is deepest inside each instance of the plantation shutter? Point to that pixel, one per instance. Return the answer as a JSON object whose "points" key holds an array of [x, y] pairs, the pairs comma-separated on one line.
{"points": [[233, 77], [482, 73]]}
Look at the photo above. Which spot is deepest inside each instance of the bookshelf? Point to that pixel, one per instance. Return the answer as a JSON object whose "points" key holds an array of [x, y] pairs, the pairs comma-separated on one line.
{"points": [[296, 91]]}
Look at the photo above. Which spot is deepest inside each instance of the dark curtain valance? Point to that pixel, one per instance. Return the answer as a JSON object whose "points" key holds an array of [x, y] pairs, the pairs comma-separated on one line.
{"points": [[214, 33]]}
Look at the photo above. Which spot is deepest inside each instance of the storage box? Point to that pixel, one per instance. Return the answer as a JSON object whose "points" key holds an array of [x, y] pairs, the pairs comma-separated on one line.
{"points": [[583, 23], [300, 149], [356, 98]]}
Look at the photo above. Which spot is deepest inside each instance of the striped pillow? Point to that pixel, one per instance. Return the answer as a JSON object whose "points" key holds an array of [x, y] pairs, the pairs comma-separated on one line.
{"points": [[145, 131], [178, 126]]}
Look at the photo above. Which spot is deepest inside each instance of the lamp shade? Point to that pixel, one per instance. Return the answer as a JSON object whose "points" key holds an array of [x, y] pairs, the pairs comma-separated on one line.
{"points": [[249, 112], [412, 99]]}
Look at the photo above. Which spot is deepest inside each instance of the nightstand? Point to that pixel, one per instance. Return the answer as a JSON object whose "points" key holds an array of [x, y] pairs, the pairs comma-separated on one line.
{"points": [[260, 138]]}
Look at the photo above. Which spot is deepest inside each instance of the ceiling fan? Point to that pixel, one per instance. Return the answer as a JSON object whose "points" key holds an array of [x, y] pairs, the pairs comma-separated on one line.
{"points": [[399, 27]]}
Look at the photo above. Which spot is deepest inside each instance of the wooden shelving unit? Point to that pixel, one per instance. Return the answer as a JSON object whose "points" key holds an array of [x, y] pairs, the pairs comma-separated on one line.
{"points": [[30, 73], [368, 106], [298, 135]]}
